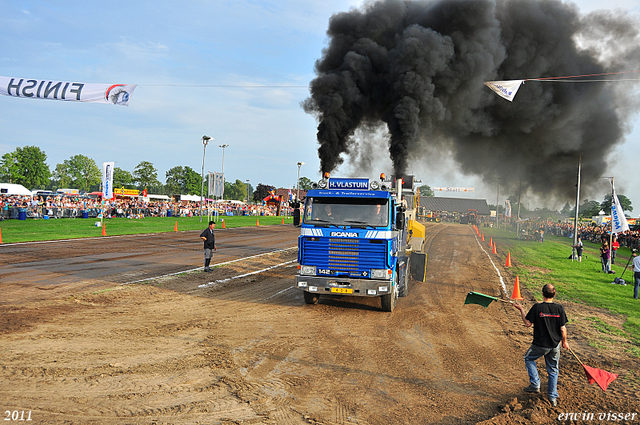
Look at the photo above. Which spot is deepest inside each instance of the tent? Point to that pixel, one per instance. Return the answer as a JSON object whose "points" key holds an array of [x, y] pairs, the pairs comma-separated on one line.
{"points": [[14, 189]]}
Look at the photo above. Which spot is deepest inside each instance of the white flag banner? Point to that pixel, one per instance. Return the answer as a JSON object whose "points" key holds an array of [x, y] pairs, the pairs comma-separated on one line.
{"points": [[218, 185], [618, 220], [107, 180], [507, 208], [116, 94], [505, 89]]}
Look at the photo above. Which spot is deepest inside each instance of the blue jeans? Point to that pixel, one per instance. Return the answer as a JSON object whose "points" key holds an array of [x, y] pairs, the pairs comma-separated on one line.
{"points": [[605, 264], [636, 275], [551, 357]]}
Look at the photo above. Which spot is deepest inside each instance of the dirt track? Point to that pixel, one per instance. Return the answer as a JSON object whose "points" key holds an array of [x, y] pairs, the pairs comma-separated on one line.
{"points": [[215, 349]]}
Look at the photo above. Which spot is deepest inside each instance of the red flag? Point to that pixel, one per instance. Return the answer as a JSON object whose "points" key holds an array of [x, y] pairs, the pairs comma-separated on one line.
{"points": [[599, 376], [144, 192]]}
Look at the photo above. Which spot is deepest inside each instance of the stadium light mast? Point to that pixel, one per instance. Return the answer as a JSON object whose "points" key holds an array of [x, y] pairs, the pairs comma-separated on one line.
{"points": [[205, 142]]}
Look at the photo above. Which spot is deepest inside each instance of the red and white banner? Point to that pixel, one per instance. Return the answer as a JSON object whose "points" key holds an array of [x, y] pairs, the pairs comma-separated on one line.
{"points": [[116, 94]]}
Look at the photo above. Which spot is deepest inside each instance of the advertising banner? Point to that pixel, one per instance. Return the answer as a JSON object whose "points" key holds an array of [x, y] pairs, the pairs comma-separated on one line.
{"points": [[115, 94], [619, 222], [107, 180]]}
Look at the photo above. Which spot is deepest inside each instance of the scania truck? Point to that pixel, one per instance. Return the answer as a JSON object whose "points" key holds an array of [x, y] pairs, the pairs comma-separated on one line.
{"points": [[359, 237]]}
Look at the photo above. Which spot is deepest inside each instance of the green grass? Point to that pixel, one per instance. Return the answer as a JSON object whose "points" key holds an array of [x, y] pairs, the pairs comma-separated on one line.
{"points": [[68, 228], [583, 282]]}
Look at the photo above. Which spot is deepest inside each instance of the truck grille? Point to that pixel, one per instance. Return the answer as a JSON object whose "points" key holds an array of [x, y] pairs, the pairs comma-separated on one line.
{"points": [[345, 256]]}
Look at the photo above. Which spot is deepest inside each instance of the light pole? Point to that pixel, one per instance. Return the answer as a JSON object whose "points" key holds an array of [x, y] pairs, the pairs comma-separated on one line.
{"points": [[247, 181], [205, 141], [300, 164]]}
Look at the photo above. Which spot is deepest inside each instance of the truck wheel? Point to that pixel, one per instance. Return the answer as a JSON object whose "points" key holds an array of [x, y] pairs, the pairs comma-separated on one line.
{"points": [[310, 298], [388, 301], [404, 291]]}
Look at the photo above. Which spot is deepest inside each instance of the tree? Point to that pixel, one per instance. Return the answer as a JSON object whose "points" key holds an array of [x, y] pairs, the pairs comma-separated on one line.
{"points": [[122, 178], [236, 190], [262, 191], [183, 180], [305, 183], [145, 175], [624, 201], [425, 190], [566, 210], [589, 208], [26, 166], [79, 172]]}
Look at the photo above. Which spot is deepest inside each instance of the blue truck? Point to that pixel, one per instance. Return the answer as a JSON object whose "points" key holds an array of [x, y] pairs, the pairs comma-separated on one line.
{"points": [[359, 237]]}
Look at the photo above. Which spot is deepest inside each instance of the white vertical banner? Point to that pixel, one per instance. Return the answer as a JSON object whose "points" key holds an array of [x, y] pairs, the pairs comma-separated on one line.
{"points": [[107, 180], [218, 185], [210, 185], [618, 220], [507, 208]]}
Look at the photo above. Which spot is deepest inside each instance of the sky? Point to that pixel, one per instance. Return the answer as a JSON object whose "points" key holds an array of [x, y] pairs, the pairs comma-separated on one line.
{"points": [[193, 63]]}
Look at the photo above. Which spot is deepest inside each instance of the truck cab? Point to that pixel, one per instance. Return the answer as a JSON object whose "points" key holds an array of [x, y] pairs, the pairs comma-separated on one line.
{"points": [[354, 241]]}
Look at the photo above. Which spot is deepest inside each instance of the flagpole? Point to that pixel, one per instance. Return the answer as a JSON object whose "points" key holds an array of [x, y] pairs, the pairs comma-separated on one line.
{"points": [[613, 193], [575, 222]]}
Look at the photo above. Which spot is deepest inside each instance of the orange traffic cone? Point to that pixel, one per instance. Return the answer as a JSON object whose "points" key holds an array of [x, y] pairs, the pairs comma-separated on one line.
{"points": [[0, 235], [483, 237], [175, 228], [257, 222], [104, 229], [491, 241], [223, 226], [494, 248], [508, 263], [282, 220], [516, 291]]}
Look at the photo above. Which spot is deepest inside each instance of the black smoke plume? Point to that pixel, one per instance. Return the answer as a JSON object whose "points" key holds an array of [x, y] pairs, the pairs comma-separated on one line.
{"points": [[418, 67]]}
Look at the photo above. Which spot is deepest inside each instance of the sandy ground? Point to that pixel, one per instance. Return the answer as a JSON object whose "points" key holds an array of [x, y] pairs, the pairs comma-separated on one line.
{"points": [[240, 346]]}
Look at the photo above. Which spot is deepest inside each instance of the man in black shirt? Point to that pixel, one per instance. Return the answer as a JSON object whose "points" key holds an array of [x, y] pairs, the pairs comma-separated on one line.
{"points": [[549, 332], [209, 239]]}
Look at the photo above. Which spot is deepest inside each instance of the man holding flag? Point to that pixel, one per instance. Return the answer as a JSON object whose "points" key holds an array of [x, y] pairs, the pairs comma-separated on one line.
{"points": [[549, 332]]}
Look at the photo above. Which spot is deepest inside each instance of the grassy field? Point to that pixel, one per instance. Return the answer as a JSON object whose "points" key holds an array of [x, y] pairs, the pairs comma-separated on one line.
{"points": [[583, 282], [68, 228]]}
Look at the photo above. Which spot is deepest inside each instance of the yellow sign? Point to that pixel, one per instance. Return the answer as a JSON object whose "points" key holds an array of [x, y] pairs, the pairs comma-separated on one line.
{"points": [[128, 192]]}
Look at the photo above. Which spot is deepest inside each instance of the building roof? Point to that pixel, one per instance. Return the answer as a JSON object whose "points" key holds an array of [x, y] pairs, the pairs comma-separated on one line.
{"points": [[457, 205]]}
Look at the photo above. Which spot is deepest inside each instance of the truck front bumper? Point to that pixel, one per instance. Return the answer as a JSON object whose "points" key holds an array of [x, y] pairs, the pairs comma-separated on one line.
{"points": [[344, 286]]}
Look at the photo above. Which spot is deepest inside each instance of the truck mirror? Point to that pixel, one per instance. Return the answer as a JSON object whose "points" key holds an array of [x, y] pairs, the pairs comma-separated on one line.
{"points": [[399, 220], [296, 216]]}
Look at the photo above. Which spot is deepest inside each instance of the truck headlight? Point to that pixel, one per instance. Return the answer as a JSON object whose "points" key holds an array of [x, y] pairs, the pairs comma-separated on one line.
{"points": [[381, 274], [308, 270]]}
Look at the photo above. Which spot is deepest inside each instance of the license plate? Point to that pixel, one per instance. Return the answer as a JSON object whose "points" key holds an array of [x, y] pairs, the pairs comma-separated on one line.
{"points": [[342, 290]]}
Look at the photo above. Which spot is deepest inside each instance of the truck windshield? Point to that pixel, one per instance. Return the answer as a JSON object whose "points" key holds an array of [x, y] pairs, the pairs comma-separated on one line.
{"points": [[353, 212]]}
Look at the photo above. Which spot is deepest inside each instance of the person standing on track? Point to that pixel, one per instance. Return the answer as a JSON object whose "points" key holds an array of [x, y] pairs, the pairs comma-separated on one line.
{"points": [[549, 332], [209, 239]]}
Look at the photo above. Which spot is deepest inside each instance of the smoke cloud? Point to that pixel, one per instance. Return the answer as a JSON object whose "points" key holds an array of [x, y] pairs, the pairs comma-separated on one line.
{"points": [[418, 68]]}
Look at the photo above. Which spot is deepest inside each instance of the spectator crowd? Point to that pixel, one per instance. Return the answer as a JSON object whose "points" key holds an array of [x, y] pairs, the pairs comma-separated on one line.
{"points": [[64, 206]]}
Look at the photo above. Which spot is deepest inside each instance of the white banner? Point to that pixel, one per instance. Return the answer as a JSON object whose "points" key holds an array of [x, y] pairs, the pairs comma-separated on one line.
{"points": [[507, 208], [107, 180], [505, 89], [619, 222], [453, 189], [218, 185], [116, 94]]}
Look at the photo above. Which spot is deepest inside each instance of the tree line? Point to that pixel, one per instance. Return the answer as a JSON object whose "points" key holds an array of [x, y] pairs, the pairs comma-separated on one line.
{"points": [[27, 166]]}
